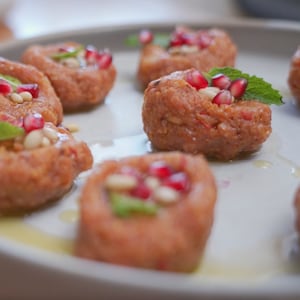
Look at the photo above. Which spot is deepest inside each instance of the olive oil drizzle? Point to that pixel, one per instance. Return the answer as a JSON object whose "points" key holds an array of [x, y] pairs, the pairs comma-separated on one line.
{"points": [[17, 230]]}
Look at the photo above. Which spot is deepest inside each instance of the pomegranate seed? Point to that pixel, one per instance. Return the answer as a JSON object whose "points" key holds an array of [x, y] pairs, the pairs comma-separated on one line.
{"points": [[142, 191], [160, 169], [178, 181], [223, 97], [33, 122], [176, 41], [90, 53], [32, 88], [238, 87], [177, 38], [188, 39], [204, 40], [221, 81], [104, 60], [145, 37], [196, 80], [5, 87]]}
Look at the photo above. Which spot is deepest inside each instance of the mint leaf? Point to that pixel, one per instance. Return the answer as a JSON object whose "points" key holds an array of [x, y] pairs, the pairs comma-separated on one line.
{"points": [[160, 39], [67, 54], [257, 89], [132, 40], [14, 82], [9, 131], [124, 206]]}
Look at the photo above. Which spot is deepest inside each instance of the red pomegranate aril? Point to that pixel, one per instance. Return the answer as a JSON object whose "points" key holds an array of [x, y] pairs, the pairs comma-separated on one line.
{"points": [[176, 41], [90, 53], [188, 39], [196, 80], [160, 169], [221, 81], [33, 121], [104, 60], [223, 97], [177, 38], [5, 87], [32, 88], [238, 87], [204, 40], [178, 181], [142, 191], [145, 37]]}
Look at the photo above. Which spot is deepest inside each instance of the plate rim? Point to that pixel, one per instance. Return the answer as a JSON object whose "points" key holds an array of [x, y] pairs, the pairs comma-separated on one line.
{"points": [[106, 272]]}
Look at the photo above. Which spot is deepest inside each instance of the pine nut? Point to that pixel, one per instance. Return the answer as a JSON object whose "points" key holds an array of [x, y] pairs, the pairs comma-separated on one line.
{"points": [[120, 182], [50, 133], [33, 139], [71, 62], [183, 49], [15, 97], [73, 127], [165, 195], [210, 91], [152, 182], [26, 96], [45, 142]]}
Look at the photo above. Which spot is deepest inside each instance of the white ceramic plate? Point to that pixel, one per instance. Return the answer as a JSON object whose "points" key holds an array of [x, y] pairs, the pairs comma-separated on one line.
{"points": [[252, 251]]}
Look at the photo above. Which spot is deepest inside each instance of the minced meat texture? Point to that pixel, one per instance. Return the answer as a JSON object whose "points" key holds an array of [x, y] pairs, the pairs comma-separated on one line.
{"points": [[177, 117]]}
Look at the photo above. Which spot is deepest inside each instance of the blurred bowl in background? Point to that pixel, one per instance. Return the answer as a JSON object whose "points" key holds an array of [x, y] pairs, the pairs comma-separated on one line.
{"points": [[275, 9], [5, 5]]}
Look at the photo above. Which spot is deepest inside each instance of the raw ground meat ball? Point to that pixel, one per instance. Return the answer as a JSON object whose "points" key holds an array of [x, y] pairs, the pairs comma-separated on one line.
{"points": [[202, 49], [82, 80], [294, 76], [176, 116], [38, 166], [171, 239], [46, 102]]}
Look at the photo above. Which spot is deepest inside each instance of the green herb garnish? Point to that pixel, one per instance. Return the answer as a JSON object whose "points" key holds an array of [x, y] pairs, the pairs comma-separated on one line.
{"points": [[67, 54], [257, 88], [9, 131], [124, 206], [160, 39], [14, 82]]}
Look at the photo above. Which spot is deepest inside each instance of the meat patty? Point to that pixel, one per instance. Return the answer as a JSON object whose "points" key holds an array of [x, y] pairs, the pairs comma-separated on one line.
{"points": [[47, 103], [177, 117], [34, 173], [79, 85], [294, 75], [173, 239], [156, 61]]}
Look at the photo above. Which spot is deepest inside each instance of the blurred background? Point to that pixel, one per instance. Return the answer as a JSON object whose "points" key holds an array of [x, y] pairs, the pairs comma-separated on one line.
{"points": [[29, 18]]}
